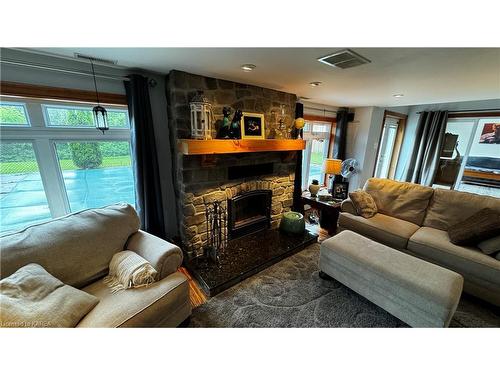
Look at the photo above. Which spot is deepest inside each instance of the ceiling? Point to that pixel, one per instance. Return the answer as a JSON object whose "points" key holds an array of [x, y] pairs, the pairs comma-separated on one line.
{"points": [[422, 75]]}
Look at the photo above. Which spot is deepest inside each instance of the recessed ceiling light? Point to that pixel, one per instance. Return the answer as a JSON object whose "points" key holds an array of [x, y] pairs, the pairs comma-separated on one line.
{"points": [[398, 95], [315, 83], [248, 67]]}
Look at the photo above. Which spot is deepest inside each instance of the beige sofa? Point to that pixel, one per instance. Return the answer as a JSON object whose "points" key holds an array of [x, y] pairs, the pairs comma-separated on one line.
{"points": [[414, 219], [77, 249]]}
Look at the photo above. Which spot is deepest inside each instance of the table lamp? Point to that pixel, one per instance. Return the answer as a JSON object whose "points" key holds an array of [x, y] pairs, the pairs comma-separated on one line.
{"points": [[332, 167]]}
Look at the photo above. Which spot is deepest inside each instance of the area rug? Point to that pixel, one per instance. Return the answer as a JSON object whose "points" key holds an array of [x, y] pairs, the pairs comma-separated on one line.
{"points": [[291, 294]]}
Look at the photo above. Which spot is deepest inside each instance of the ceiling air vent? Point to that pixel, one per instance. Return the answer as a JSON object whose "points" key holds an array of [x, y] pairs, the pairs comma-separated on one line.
{"points": [[95, 59], [344, 59]]}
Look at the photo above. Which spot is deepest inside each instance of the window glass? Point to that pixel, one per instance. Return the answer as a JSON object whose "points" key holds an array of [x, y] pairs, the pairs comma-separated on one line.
{"points": [[22, 196], [80, 117], [317, 137], [13, 114], [97, 173]]}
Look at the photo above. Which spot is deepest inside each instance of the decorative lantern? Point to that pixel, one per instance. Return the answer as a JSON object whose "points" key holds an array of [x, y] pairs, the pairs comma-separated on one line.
{"points": [[100, 114], [201, 117]]}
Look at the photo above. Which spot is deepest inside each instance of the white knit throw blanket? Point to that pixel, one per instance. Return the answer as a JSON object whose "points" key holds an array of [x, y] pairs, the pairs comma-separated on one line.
{"points": [[129, 270]]}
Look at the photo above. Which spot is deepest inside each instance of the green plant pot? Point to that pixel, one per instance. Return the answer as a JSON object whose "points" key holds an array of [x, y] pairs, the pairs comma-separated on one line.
{"points": [[293, 222]]}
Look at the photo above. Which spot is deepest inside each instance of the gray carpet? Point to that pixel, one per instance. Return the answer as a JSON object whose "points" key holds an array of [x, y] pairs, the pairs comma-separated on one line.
{"points": [[291, 294]]}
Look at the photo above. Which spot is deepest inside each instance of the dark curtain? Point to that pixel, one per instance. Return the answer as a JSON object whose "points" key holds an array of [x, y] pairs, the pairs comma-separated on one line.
{"points": [[297, 187], [423, 162], [149, 203], [339, 144]]}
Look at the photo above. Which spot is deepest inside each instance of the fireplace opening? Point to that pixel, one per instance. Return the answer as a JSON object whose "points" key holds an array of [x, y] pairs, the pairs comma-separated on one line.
{"points": [[249, 212]]}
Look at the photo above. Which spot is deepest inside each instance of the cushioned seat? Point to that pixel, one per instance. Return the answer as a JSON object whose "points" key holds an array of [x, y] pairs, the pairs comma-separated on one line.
{"points": [[478, 268], [389, 230], [420, 293], [141, 307]]}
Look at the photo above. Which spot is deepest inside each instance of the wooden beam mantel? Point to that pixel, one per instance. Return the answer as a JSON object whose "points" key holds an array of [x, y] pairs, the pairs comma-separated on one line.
{"points": [[232, 146]]}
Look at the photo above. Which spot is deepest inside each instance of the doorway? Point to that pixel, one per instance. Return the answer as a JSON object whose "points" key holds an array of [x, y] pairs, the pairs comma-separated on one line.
{"points": [[389, 145]]}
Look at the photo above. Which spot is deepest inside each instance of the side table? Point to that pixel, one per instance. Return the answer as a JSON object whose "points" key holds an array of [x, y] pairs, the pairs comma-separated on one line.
{"points": [[328, 212]]}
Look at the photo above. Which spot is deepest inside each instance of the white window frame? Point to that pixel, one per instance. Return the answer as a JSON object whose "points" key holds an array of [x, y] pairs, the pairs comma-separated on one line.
{"points": [[44, 139]]}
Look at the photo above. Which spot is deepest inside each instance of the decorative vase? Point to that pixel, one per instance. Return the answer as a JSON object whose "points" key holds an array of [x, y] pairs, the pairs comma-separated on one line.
{"points": [[314, 188], [293, 222]]}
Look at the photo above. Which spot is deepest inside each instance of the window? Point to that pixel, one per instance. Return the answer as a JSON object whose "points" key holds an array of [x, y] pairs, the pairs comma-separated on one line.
{"points": [[470, 160], [96, 173], [317, 135], [78, 117], [13, 114], [53, 161], [22, 199]]}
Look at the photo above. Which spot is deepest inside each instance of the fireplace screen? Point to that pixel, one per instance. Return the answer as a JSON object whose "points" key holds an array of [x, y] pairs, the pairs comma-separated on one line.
{"points": [[249, 213]]}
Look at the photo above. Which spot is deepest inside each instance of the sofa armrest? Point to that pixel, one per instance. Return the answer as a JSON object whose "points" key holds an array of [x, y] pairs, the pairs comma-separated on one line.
{"points": [[164, 256], [347, 206]]}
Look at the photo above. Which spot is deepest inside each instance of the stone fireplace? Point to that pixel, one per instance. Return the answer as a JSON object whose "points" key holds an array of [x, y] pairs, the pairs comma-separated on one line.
{"points": [[201, 179]]}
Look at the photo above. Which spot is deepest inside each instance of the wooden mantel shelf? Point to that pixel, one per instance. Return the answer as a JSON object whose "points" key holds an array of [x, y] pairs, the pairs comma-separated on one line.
{"points": [[231, 146]]}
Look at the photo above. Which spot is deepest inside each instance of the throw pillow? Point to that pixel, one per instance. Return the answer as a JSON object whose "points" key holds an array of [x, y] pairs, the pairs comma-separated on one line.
{"points": [[32, 297], [128, 269], [490, 246], [363, 203], [482, 225]]}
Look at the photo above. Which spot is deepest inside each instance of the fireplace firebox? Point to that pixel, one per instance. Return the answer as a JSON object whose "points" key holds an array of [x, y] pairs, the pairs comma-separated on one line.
{"points": [[249, 212]]}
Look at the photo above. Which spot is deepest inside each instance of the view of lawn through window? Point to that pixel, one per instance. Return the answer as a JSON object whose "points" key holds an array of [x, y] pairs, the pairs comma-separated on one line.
{"points": [[82, 117], [13, 114], [96, 169], [96, 173]]}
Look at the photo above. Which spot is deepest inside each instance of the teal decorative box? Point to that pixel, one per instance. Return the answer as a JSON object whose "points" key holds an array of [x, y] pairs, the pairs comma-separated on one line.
{"points": [[293, 222]]}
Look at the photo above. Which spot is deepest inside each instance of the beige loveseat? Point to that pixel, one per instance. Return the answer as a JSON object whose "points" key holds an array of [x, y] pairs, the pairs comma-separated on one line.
{"points": [[77, 249], [415, 218]]}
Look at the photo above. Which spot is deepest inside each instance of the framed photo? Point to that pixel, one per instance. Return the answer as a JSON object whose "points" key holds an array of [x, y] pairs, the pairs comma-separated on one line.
{"points": [[490, 133], [340, 190], [252, 126]]}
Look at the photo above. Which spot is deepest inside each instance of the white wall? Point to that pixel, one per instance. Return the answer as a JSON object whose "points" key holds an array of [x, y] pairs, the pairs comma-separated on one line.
{"points": [[411, 124]]}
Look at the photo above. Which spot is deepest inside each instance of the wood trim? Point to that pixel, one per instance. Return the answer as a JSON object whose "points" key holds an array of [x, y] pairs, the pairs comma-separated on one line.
{"points": [[395, 114], [474, 114], [231, 146], [333, 120], [59, 93]]}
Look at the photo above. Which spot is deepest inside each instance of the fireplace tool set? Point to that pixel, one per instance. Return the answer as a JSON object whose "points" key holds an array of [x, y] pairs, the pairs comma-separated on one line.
{"points": [[216, 216]]}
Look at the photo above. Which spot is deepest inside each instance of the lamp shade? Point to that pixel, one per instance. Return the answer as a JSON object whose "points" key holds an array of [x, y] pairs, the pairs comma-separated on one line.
{"points": [[333, 166]]}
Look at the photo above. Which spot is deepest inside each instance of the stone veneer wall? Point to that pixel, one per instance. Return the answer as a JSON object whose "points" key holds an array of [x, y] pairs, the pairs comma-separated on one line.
{"points": [[200, 179]]}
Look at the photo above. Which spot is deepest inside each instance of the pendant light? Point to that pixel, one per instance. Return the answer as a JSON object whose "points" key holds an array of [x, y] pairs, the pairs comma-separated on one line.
{"points": [[100, 114]]}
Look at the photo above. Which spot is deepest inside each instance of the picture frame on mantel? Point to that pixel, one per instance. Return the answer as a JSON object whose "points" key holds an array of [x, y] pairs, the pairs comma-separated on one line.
{"points": [[253, 126]]}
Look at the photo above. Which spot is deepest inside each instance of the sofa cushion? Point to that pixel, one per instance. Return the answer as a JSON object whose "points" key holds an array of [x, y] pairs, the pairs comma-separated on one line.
{"points": [[76, 248], [364, 203], [389, 230], [32, 297], [481, 226], [449, 207], [165, 302], [403, 200], [490, 246], [434, 245]]}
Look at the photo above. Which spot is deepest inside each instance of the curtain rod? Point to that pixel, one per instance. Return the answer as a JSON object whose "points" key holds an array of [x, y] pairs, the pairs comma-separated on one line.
{"points": [[320, 109], [62, 70], [469, 110]]}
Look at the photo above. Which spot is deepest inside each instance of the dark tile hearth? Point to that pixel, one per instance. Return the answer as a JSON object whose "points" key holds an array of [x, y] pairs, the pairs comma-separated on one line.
{"points": [[246, 256]]}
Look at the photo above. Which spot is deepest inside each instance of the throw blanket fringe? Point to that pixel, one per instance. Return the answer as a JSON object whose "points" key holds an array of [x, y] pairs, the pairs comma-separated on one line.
{"points": [[129, 270]]}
